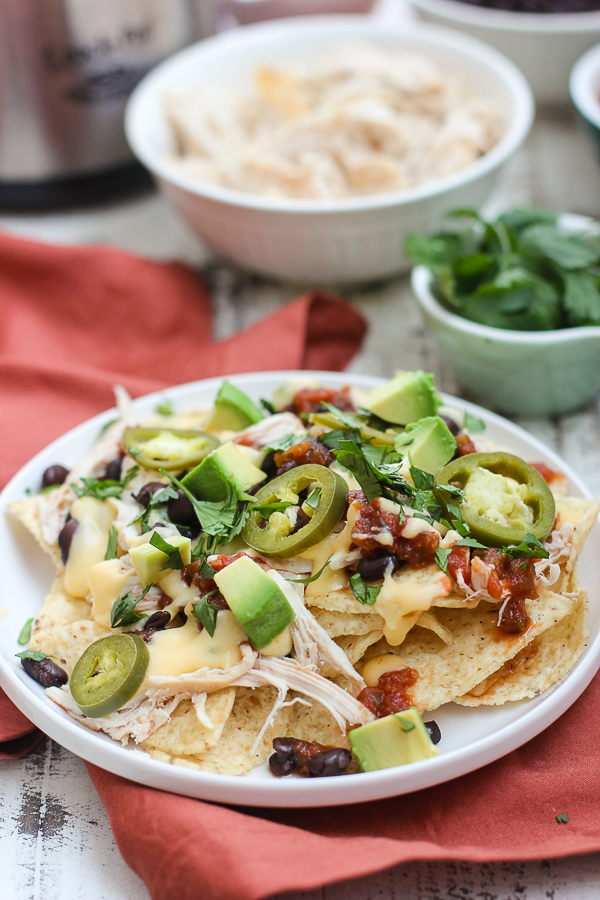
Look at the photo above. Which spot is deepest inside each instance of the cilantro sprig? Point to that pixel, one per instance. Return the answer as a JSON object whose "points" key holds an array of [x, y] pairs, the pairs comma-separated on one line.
{"points": [[104, 488], [124, 611], [173, 560], [364, 593], [206, 613], [520, 272]]}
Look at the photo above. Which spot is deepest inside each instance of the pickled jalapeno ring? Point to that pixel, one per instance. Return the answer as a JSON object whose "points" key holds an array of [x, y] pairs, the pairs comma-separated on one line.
{"points": [[274, 539], [168, 448], [108, 673], [532, 490]]}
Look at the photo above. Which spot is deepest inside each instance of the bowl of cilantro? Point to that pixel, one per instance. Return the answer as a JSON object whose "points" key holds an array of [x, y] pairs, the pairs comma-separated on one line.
{"points": [[514, 304]]}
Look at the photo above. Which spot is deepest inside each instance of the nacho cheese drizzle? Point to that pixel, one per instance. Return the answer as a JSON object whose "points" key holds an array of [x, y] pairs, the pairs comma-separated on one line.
{"points": [[394, 593]]}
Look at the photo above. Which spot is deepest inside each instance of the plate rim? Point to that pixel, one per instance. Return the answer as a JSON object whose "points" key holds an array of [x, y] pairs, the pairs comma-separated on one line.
{"points": [[138, 766]]}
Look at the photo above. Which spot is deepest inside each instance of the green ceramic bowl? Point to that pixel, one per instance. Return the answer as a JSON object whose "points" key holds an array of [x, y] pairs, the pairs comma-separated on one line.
{"points": [[522, 373], [584, 87]]}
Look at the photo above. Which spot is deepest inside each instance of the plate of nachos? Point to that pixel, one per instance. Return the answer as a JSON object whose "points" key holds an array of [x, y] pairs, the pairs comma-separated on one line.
{"points": [[297, 589]]}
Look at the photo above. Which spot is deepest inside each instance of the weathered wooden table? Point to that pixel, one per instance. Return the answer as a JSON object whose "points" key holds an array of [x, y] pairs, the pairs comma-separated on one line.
{"points": [[55, 840]]}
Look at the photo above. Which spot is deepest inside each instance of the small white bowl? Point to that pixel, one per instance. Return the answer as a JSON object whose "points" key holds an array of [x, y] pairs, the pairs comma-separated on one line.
{"points": [[584, 86], [348, 240], [545, 46], [522, 373]]}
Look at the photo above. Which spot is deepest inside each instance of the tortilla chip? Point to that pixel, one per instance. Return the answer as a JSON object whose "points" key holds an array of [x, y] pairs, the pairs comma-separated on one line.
{"points": [[315, 723], [583, 514], [478, 648], [341, 623], [431, 621], [232, 755], [27, 512], [355, 645], [538, 666], [184, 734], [67, 643], [59, 608], [342, 601]]}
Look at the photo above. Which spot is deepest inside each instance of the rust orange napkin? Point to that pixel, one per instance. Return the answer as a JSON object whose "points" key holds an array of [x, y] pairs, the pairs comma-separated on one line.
{"points": [[76, 321]]}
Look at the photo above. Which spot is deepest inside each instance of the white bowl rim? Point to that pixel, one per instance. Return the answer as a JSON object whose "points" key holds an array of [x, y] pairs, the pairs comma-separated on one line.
{"points": [[508, 20], [584, 85], [516, 133], [421, 281]]}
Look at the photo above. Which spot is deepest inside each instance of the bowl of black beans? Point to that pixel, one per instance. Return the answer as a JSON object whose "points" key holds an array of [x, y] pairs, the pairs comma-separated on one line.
{"points": [[544, 38]]}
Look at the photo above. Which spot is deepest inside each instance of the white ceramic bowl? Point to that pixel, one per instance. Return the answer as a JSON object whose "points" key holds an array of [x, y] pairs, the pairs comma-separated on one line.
{"points": [[584, 86], [544, 46], [321, 241], [523, 373]]}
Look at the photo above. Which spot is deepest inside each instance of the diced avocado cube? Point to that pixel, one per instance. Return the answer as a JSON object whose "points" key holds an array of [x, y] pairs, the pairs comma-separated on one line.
{"points": [[429, 443], [407, 397], [392, 741], [256, 601], [233, 410], [148, 561], [227, 464]]}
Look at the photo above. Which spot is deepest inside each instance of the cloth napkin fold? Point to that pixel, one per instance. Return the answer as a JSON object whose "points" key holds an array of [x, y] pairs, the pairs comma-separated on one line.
{"points": [[75, 322]]}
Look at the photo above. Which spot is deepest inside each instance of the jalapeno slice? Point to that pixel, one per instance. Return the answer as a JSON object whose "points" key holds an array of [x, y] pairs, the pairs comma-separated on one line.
{"points": [[168, 448], [486, 509], [108, 673], [274, 539]]}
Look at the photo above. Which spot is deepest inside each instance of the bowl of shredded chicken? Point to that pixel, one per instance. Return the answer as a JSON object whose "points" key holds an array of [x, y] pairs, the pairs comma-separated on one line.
{"points": [[306, 148]]}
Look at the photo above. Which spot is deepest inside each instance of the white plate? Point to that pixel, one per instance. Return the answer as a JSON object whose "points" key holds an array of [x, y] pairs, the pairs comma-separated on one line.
{"points": [[470, 737]]}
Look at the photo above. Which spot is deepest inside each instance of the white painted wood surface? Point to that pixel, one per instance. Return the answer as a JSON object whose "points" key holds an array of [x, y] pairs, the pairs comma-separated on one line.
{"points": [[55, 840]]}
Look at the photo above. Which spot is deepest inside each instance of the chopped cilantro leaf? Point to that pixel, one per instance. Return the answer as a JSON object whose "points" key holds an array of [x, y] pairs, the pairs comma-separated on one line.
{"points": [[33, 654], [164, 408], [113, 543], [529, 548], [283, 443], [174, 560], [265, 509], [206, 613], [442, 554], [123, 610], [104, 488], [473, 425], [25, 634], [268, 406], [562, 818], [364, 593], [313, 499]]}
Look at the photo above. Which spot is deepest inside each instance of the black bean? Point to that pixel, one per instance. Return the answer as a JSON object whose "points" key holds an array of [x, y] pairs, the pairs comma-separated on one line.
{"points": [[283, 761], [113, 469], [45, 671], [434, 731], [452, 424], [374, 567], [54, 475], [65, 537], [329, 762], [181, 511], [156, 622], [281, 766], [144, 496], [190, 533]]}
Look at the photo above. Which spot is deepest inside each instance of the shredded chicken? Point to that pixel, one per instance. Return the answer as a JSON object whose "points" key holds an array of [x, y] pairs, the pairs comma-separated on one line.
{"points": [[288, 675], [204, 680], [559, 547], [312, 645], [270, 429], [137, 719]]}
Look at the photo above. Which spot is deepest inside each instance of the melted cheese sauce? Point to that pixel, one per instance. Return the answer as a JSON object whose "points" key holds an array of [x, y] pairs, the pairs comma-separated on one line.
{"points": [[89, 543], [175, 651], [400, 603], [107, 583], [331, 579]]}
